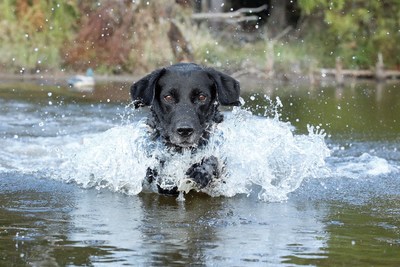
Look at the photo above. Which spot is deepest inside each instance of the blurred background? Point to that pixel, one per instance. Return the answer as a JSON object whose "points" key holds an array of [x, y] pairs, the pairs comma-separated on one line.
{"points": [[271, 38]]}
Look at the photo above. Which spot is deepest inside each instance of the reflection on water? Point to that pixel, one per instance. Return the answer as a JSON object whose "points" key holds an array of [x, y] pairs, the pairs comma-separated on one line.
{"points": [[49, 223], [351, 218], [60, 224], [363, 111]]}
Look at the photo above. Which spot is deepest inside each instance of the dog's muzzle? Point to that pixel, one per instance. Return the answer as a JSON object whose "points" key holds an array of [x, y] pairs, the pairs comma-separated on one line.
{"points": [[185, 134]]}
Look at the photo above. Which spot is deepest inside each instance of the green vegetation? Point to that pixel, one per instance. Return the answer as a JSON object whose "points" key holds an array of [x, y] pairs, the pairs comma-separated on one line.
{"points": [[356, 31], [32, 33], [116, 36]]}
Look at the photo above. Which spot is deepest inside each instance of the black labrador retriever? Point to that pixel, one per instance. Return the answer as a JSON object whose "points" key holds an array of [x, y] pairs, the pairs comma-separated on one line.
{"points": [[184, 100]]}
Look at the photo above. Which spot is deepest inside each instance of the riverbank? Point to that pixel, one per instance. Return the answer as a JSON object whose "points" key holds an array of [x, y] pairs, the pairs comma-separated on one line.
{"points": [[248, 78]]}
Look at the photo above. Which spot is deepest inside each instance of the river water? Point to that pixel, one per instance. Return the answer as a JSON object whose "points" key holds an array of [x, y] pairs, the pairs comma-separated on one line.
{"points": [[312, 178]]}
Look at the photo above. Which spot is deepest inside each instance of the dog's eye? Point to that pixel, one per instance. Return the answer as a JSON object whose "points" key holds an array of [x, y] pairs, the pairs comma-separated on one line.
{"points": [[202, 97], [169, 98]]}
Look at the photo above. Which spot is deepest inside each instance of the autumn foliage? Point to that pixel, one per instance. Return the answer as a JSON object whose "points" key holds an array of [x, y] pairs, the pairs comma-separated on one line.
{"points": [[122, 35], [104, 37]]}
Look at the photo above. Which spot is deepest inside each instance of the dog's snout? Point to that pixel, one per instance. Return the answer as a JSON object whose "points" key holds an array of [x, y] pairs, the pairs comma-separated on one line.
{"points": [[185, 131]]}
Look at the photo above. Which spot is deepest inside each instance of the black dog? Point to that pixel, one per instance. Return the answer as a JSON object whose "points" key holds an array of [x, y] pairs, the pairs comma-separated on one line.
{"points": [[184, 100]]}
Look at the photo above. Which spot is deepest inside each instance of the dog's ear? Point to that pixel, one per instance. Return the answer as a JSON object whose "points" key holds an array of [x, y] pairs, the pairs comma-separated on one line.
{"points": [[228, 89], [142, 91]]}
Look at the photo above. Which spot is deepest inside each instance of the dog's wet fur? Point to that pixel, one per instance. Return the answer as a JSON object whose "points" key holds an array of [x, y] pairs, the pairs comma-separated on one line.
{"points": [[184, 100]]}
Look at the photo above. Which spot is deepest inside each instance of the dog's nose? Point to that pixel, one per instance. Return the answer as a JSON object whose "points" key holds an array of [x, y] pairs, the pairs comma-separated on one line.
{"points": [[185, 131]]}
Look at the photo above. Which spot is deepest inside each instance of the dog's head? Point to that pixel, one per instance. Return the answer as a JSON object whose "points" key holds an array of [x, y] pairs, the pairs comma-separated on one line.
{"points": [[184, 99]]}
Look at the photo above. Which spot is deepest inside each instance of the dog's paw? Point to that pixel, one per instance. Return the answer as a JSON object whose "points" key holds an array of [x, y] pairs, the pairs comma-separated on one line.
{"points": [[152, 183], [151, 175], [204, 172]]}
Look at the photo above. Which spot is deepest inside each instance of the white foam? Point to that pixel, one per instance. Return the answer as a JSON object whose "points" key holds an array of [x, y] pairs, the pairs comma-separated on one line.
{"points": [[261, 156], [265, 152], [363, 166], [256, 151], [28, 155], [116, 159]]}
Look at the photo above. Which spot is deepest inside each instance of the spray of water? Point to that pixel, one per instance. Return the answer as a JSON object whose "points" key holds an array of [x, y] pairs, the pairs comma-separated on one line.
{"points": [[258, 155]]}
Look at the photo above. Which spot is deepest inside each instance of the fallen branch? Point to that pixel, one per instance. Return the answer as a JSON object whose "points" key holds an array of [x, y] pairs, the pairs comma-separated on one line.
{"points": [[235, 16]]}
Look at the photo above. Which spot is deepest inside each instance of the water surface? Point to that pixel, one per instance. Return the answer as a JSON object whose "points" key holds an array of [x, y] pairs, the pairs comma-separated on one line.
{"points": [[326, 195]]}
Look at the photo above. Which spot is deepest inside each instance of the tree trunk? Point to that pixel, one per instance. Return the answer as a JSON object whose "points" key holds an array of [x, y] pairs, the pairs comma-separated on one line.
{"points": [[277, 20], [180, 47]]}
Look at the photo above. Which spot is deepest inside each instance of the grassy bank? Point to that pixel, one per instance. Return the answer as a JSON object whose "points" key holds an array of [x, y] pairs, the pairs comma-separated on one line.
{"points": [[32, 35], [115, 37]]}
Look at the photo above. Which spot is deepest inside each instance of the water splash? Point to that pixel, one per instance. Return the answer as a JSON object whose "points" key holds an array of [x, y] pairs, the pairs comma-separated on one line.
{"points": [[115, 159], [363, 166], [266, 153], [260, 156]]}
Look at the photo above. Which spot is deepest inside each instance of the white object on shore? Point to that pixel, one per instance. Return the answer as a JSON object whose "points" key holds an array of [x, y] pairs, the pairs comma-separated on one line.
{"points": [[82, 81]]}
